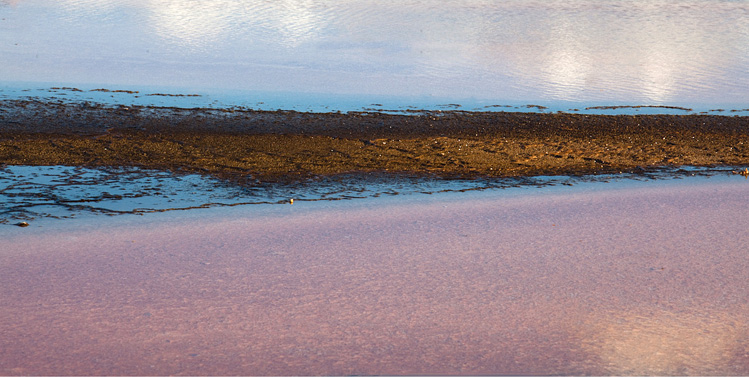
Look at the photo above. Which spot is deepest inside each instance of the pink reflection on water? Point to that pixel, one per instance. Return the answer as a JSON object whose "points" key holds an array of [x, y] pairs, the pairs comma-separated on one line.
{"points": [[638, 281]]}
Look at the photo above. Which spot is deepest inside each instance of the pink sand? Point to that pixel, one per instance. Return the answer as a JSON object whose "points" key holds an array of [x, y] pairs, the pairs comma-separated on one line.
{"points": [[646, 280]]}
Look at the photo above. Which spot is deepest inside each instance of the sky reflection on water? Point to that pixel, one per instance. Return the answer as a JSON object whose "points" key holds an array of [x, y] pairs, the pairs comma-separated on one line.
{"points": [[637, 52]]}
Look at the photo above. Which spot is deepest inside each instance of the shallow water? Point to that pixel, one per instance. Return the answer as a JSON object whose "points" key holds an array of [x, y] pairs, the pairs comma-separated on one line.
{"points": [[637, 278], [37, 194], [469, 52]]}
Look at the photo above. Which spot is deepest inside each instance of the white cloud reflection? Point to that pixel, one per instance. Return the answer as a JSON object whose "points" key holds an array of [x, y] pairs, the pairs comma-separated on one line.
{"points": [[649, 51], [665, 343], [642, 50], [195, 23]]}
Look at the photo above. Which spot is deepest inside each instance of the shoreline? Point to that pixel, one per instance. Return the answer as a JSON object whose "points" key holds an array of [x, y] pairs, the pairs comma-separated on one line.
{"points": [[249, 146]]}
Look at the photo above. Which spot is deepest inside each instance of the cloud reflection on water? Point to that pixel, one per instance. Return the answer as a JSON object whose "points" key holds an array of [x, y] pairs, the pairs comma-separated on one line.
{"points": [[650, 51], [195, 23], [667, 343]]}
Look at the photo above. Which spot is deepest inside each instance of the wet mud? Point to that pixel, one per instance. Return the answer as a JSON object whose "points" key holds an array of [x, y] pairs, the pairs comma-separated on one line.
{"points": [[248, 146]]}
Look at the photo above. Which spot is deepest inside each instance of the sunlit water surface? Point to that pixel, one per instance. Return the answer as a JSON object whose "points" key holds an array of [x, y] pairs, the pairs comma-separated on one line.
{"points": [[562, 54], [564, 280], [620, 278]]}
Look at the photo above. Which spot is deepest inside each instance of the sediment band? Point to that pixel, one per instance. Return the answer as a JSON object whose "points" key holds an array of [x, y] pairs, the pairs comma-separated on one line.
{"points": [[242, 144]]}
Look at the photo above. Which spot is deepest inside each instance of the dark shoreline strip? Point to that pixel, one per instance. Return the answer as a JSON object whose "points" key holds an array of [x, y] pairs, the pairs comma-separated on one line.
{"points": [[282, 145]]}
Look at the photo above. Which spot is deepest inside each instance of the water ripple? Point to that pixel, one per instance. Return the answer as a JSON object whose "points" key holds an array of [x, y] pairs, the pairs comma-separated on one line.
{"points": [[639, 51]]}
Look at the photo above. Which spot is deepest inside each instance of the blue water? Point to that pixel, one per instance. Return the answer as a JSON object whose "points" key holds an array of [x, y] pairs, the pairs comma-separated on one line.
{"points": [[326, 55], [33, 193]]}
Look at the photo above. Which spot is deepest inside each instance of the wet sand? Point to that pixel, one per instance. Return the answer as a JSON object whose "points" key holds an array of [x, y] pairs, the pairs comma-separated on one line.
{"points": [[643, 280], [247, 146]]}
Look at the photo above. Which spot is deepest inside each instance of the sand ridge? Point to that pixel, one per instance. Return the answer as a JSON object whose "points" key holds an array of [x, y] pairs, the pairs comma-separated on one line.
{"points": [[273, 145]]}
